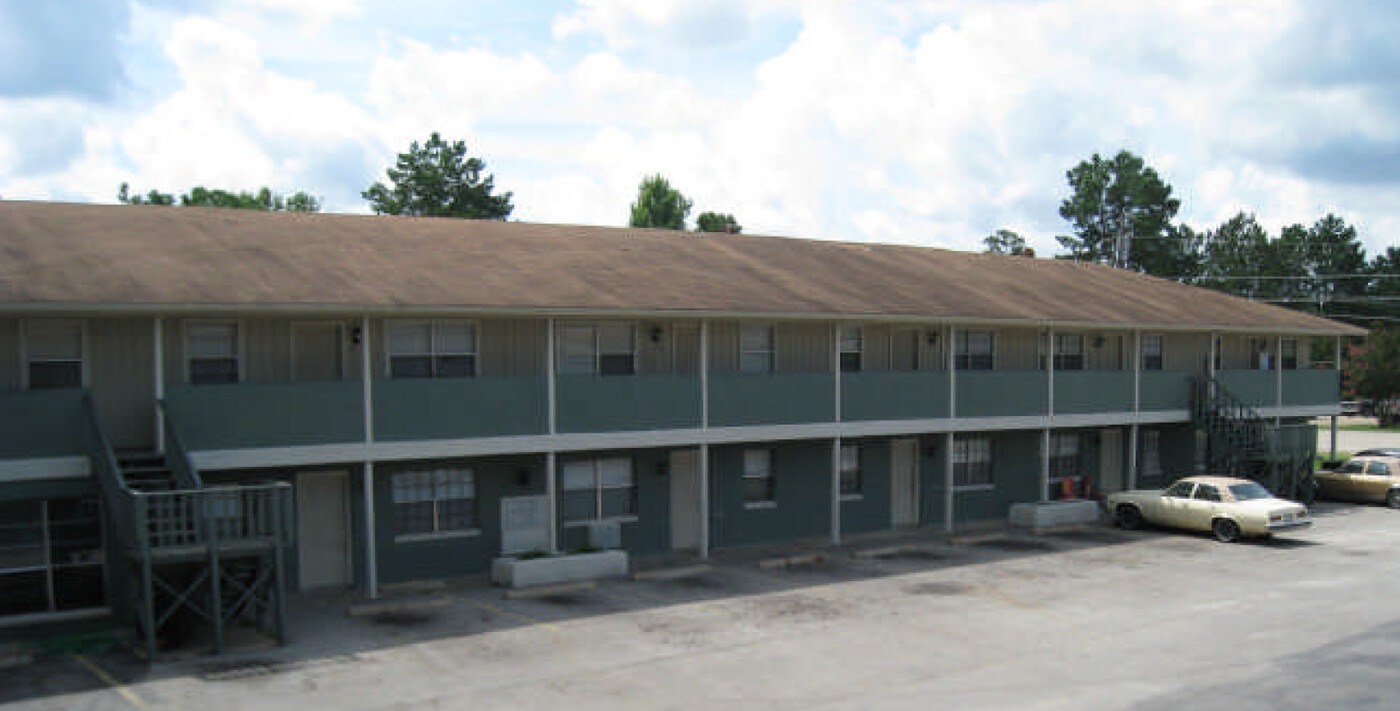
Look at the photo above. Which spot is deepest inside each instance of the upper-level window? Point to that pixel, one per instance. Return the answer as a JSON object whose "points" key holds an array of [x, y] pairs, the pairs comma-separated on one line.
{"points": [[1152, 352], [1259, 356], [756, 348], [1069, 351], [53, 352], [974, 350], [432, 349], [1288, 354], [597, 349], [213, 352], [851, 346]]}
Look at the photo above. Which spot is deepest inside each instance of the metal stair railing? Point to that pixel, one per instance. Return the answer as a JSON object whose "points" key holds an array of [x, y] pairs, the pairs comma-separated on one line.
{"points": [[177, 457]]}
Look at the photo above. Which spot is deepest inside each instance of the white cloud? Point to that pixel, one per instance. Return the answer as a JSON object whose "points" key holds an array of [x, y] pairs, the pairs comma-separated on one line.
{"points": [[627, 23], [314, 14]]}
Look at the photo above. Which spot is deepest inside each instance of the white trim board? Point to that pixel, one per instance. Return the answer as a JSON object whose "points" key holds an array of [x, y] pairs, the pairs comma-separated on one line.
{"points": [[316, 455], [44, 469]]}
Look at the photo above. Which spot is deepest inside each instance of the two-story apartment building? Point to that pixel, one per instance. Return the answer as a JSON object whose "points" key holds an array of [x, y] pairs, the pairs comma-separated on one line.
{"points": [[363, 392]]}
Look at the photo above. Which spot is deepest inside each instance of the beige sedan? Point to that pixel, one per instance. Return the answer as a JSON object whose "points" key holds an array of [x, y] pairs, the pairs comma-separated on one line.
{"points": [[1227, 507], [1363, 478]]}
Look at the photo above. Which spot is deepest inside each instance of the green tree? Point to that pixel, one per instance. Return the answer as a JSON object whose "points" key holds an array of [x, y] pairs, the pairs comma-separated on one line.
{"points": [[1121, 212], [1321, 259], [151, 198], [1236, 254], [1005, 241], [438, 179], [200, 196], [1373, 367], [717, 222], [659, 205]]}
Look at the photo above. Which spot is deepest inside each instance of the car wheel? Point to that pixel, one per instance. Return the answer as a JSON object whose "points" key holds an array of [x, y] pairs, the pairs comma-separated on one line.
{"points": [[1225, 530], [1392, 499], [1129, 517]]}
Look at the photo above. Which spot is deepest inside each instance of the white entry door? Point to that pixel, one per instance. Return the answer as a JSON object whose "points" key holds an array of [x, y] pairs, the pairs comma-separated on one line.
{"points": [[685, 499], [1111, 461], [323, 544], [904, 483]]}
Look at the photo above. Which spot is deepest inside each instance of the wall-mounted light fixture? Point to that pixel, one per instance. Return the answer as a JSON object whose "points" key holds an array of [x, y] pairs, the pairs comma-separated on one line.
{"points": [[663, 468], [356, 336], [655, 334], [933, 338], [522, 477], [1099, 341]]}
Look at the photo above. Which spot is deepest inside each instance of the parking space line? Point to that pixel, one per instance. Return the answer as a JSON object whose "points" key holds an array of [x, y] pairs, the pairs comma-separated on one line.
{"points": [[517, 616], [102, 676]]}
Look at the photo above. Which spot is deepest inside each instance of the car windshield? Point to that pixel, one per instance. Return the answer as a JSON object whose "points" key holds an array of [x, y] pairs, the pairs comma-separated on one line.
{"points": [[1352, 467], [1249, 491]]}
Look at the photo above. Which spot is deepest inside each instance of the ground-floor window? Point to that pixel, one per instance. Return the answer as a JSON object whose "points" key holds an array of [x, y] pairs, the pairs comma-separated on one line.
{"points": [[434, 501], [50, 556], [1067, 479], [598, 490], [759, 491], [972, 462], [852, 481]]}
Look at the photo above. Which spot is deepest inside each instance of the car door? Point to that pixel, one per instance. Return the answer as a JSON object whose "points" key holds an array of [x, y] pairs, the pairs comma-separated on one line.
{"points": [[1373, 484], [1204, 504], [1337, 483], [1175, 505]]}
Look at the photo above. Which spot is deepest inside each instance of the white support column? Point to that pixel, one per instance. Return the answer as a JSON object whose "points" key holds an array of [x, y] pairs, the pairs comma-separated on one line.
{"points": [[949, 499], [1336, 363], [836, 369], [1137, 411], [704, 444], [158, 365], [367, 483], [1214, 354], [551, 483], [1278, 381], [836, 491], [1049, 412]]}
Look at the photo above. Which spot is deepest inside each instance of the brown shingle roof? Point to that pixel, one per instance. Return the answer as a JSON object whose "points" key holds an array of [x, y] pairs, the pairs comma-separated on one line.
{"points": [[150, 257]]}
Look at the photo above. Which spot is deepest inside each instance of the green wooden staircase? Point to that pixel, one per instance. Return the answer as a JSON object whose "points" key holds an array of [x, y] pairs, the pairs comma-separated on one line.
{"points": [[1242, 442]]}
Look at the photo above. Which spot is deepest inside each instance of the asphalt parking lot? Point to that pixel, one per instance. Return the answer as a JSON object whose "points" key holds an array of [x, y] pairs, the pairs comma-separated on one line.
{"points": [[1090, 618]]}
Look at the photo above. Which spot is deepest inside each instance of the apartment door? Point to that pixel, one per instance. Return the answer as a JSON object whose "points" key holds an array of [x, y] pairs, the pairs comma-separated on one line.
{"points": [[1111, 460], [316, 351], [323, 541], [685, 499], [904, 484]]}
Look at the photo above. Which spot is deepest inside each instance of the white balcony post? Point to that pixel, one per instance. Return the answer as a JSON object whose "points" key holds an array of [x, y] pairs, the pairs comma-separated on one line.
{"points": [[704, 548], [551, 483], [1137, 411], [1049, 412], [836, 442], [158, 365], [1278, 382], [367, 399], [949, 509], [1337, 363]]}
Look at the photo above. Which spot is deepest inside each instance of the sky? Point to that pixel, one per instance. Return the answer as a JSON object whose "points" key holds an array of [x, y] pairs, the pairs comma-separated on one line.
{"points": [[932, 123]]}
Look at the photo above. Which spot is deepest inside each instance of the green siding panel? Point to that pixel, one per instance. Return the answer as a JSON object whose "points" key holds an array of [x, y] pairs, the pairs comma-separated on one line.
{"points": [[894, 395], [1311, 387], [1089, 391], [932, 479], [782, 398], [623, 403], [802, 488], [1015, 475], [871, 512], [1259, 388], [450, 408], [1165, 390], [1001, 393], [266, 415], [42, 423]]}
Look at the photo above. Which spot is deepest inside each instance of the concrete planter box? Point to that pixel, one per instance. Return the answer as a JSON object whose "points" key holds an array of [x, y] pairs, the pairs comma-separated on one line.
{"points": [[1052, 514], [517, 573]]}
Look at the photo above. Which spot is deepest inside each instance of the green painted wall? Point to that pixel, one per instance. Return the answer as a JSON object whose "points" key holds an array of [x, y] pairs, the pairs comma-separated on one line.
{"points": [[621, 403], [783, 398], [42, 423], [933, 465], [459, 407], [1015, 474], [495, 478], [802, 488], [894, 395], [1087, 391], [1256, 387], [1001, 393], [872, 511], [266, 415], [1311, 387], [651, 532], [1165, 390]]}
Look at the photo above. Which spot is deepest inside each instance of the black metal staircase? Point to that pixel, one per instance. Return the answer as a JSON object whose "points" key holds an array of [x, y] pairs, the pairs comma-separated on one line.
{"points": [[192, 554], [1242, 442]]}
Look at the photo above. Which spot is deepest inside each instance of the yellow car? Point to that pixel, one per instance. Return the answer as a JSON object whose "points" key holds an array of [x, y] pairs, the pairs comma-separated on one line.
{"points": [[1227, 507], [1369, 478]]}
